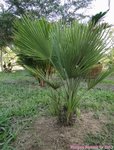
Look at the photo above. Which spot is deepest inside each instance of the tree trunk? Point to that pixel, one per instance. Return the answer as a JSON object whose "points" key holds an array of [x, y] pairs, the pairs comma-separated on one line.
{"points": [[42, 83], [1, 60]]}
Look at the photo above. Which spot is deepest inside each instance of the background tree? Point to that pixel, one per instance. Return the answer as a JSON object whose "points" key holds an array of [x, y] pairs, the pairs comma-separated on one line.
{"points": [[52, 9], [6, 29]]}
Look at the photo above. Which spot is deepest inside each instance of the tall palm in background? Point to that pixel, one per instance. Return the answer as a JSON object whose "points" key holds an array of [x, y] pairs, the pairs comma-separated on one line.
{"points": [[72, 50]]}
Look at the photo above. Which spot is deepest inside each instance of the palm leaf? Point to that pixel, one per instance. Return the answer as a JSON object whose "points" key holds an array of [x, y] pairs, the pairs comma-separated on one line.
{"points": [[96, 18], [77, 48], [93, 82], [32, 37], [72, 49]]}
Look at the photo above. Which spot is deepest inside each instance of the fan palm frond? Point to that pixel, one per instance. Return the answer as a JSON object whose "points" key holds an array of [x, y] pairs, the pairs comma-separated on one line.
{"points": [[33, 36], [96, 18]]}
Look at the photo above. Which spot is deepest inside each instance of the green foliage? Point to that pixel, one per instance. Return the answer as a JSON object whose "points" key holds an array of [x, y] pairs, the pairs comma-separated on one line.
{"points": [[96, 18], [6, 28], [29, 62], [73, 50]]}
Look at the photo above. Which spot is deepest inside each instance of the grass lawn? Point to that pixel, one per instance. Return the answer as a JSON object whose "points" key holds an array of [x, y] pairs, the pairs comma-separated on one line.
{"points": [[26, 123]]}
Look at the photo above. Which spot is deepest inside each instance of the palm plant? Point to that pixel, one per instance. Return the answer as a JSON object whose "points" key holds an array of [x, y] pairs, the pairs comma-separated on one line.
{"points": [[72, 49], [30, 63]]}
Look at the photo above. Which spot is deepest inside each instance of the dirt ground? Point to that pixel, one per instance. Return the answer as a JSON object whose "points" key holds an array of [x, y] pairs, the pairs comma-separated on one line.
{"points": [[45, 134]]}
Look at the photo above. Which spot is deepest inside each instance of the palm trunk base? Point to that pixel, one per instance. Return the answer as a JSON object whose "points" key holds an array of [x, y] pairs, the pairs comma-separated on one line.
{"points": [[66, 120], [42, 83]]}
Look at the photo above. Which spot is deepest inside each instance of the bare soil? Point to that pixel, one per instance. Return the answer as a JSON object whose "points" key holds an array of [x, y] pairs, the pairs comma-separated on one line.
{"points": [[45, 134]]}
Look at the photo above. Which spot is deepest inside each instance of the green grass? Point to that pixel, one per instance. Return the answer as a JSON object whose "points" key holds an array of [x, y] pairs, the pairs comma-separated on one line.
{"points": [[21, 100], [97, 99], [101, 102], [108, 81], [105, 137], [20, 97]]}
